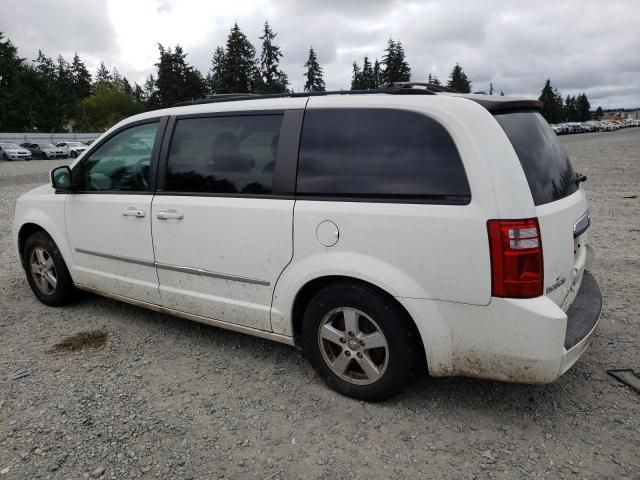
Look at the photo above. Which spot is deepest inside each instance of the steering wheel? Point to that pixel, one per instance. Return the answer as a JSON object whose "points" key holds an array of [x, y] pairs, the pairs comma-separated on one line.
{"points": [[141, 172]]}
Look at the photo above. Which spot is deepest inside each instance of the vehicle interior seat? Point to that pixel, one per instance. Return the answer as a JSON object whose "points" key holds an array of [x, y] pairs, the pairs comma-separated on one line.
{"points": [[226, 155]]}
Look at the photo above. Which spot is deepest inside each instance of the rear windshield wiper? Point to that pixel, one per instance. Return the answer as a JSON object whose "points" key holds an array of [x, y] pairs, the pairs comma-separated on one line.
{"points": [[580, 178]]}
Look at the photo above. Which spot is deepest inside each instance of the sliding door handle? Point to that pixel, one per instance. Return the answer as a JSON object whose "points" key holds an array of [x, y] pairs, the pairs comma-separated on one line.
{"points": [[133, 212], [169, 214]]}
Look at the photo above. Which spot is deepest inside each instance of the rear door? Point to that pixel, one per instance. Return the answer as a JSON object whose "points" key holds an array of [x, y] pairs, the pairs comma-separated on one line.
{"points": [[222, 223], [561, 205]]}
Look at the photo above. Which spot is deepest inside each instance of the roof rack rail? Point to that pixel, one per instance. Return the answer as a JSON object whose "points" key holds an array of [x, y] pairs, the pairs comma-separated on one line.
{"points": [[432, 87], [394, 88]]}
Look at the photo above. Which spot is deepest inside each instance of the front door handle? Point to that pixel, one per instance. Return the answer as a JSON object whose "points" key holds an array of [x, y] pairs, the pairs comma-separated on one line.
{"points": [[133, 212], [170, 214]]}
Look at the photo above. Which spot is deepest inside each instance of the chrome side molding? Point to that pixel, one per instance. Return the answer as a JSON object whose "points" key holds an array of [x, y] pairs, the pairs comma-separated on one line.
{"points": [[121, 258], [176, 268]]}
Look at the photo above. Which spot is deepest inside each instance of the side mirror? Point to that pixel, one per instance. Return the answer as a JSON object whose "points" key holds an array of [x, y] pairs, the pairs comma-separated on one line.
{"points": [[61, 179]]}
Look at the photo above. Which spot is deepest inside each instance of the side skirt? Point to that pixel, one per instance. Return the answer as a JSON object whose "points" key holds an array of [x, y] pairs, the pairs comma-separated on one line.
{"points": [[196, 318]]}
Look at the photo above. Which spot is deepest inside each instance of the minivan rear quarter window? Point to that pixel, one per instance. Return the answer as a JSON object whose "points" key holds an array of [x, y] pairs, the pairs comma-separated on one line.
{"points": [[543, 158], [379, 154]]}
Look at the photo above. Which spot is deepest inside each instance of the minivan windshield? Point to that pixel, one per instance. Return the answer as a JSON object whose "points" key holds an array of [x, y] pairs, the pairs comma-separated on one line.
{"points": [[543, 158]]}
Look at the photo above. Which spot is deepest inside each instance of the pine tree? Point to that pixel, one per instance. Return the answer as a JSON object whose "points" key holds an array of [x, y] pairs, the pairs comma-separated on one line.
{"points": [[458, 80], [377, 74], [599, 113], [272, 78], [103, 75], [315, 82], [368, 78], [433, 79], [81, 77], [551, 100], [396, 67], [491, 90], [501, 93], [216, 76], [126, 87], [571, 109], [584, 108], [356, 78], [17, 82], [65, 90], [138, 93], [239, 68], [47, 104], [176, 80], [151, 92]]}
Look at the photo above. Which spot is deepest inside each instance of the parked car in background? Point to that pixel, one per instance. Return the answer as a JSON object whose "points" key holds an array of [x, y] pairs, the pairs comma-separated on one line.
{"points": [[89, 142], [12, 151], [72, 149], [558, 130], [45, 150]]}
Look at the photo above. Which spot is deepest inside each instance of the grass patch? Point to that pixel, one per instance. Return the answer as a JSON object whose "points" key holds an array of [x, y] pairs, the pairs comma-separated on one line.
{"points": [[81, 340]]}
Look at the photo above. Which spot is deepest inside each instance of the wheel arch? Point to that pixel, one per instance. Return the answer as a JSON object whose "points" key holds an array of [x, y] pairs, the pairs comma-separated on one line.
{"points": [[25, 232], [32, 225], [312, 287]]}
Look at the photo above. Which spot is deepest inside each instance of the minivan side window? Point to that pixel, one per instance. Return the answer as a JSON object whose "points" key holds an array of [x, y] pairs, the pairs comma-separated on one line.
{"points": [[379, 153], [224, 154], [121, 164]]}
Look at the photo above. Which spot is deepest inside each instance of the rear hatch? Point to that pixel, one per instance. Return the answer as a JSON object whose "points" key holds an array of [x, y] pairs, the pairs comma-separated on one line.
{"points": [[561, 205]]}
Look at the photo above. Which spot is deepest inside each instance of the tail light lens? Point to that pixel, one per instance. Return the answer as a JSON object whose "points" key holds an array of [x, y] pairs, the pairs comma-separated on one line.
{"points": [[516, 258]]}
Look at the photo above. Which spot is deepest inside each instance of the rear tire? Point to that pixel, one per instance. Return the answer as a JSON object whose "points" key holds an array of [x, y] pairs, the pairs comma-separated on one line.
{"points": [[46, 270], [360, 342]]}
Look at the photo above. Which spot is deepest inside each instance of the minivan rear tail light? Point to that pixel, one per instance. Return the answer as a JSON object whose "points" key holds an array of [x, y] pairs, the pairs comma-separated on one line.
{"points": [[516, 258]]}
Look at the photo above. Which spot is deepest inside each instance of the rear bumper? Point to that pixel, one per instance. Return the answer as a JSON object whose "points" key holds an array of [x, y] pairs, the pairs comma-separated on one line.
{"points": [[582, 318], [516, 340]]}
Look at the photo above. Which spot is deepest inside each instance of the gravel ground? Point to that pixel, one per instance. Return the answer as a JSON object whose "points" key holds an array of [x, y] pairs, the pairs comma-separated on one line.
{"points": [[166, 398]]}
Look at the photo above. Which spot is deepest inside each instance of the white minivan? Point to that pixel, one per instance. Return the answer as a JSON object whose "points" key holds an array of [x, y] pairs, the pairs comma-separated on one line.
{"points": [[377, 230]]}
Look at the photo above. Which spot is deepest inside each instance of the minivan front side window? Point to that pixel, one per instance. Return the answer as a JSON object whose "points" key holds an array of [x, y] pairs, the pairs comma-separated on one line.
{"points": [[224, 155], [122, 163]]}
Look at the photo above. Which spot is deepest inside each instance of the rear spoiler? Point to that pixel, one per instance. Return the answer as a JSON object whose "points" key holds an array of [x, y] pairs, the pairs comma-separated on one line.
{"points": [[500, 104], [496, 107]]}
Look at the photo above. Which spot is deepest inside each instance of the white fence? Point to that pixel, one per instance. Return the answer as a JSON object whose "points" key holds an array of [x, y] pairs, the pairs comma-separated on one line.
{"points": [[47, 137]]}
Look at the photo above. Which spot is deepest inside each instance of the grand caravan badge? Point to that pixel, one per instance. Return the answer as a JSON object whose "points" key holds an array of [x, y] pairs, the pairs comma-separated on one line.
{"points": [[557, 284]]}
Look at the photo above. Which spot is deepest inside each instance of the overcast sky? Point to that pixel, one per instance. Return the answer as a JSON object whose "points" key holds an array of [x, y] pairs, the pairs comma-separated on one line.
{"points": [[582, 45]]}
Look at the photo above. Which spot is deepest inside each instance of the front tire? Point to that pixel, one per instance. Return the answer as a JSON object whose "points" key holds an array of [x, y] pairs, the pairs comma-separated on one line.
{"points": [[74, 154], [46, 270], [361, 343], [5, 157], [45, 156]]}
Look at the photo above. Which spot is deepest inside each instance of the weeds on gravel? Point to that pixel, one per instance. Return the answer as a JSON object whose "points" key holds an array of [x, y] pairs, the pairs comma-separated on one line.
{"points": [[82, 340]]}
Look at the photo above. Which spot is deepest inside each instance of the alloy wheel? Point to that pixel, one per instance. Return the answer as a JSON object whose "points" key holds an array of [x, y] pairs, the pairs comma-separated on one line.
{"points": [[353, 346], [43, 270]]}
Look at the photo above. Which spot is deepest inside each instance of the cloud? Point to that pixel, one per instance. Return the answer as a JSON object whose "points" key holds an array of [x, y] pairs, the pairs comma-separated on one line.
{"points": [[582, 45]]}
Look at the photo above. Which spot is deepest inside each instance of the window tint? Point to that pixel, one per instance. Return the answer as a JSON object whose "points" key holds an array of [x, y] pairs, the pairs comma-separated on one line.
{"points": [[543, 158], [379, 153], [122, 163], [233, 154]]}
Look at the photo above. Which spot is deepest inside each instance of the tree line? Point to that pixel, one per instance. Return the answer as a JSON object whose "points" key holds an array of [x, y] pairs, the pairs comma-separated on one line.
{"points": [[49, 95], [573, 109]]}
